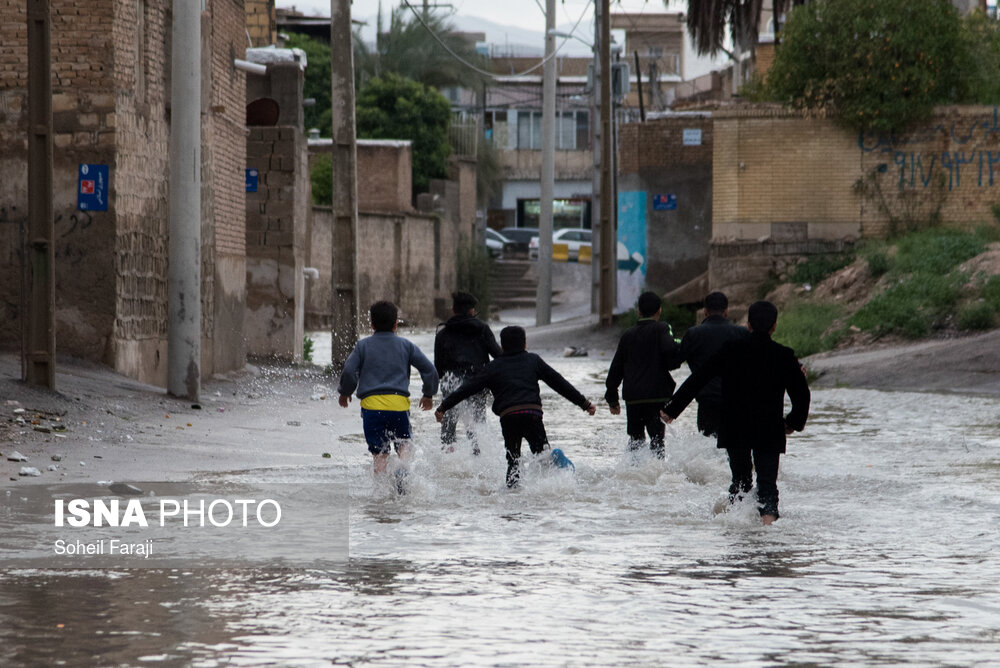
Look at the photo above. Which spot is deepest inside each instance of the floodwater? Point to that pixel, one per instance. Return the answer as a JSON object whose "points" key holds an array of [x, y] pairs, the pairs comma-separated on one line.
{"points": [[887, 553]]}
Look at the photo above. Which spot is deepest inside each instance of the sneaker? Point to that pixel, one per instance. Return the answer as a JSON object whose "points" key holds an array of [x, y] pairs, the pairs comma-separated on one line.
{"points": [[561, 460]]}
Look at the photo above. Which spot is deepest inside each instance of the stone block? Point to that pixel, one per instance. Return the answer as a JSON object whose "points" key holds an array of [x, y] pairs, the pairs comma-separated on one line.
{"points": [[62, 102]]}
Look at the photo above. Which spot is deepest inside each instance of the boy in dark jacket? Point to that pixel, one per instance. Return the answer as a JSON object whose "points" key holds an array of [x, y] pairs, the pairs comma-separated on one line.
{"points": [[698, 346], [513, 379], [646, 353], [463, 347], [756, 373]]}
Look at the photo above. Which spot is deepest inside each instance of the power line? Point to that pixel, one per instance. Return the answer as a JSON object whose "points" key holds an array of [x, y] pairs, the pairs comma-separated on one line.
{"points": [[485, 73]]}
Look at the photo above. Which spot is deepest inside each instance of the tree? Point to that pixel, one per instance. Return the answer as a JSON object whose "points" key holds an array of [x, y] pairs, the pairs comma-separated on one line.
{"points": [[709, 21], [393, 107], [412, 49], [317, 80], [880, 65]]}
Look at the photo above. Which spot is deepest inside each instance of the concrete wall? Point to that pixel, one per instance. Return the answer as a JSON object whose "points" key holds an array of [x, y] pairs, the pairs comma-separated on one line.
{"points": [[385, 175], [654, 160]]}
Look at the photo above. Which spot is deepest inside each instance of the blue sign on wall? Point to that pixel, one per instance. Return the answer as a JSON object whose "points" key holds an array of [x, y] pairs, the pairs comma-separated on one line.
{"points": [[92, 191], [251, 179], [665, 202]]}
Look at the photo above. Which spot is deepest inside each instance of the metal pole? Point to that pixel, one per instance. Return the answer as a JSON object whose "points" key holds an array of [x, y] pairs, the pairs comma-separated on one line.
{"points": [[346, 305], [543, 312], [608, 258], [184, 274], [39, 363]]}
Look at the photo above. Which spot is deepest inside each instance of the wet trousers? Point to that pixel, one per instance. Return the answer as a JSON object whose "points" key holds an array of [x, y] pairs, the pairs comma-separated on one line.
{"points": [[742, 462], [476, 405], [643, 418], [518, 427]]}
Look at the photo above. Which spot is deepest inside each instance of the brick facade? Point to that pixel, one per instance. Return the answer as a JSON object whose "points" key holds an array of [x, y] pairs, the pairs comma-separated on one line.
{"points": [[110, 65], [261, 22]]}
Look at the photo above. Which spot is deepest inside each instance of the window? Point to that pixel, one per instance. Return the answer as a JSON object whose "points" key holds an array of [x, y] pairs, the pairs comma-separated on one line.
{"points": [[572, 130]]}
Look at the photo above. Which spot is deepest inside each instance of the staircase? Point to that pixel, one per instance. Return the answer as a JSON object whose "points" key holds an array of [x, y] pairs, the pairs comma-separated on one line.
{"points": [[514, 284]]}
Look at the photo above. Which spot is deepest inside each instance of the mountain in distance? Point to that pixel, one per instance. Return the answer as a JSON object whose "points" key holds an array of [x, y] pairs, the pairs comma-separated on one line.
{"points": [[506, 40]]}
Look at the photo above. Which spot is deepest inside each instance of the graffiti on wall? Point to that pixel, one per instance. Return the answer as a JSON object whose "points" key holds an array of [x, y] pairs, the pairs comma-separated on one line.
{"points": [[67, 226], [969, 161]]}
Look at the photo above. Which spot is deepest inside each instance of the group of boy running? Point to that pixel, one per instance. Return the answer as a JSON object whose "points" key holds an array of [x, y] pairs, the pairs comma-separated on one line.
{"points": [[739, 376]]}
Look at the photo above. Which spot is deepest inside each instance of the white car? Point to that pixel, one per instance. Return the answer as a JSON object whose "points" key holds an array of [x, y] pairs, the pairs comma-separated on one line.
{"points": [[496, 243], [574, 237]]}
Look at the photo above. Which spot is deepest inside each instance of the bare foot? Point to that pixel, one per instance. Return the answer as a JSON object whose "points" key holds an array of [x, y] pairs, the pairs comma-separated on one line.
{"points": [[767, 520]]}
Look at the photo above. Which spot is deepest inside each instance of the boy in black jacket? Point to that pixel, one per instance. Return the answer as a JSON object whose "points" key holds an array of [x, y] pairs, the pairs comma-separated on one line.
{"points": [[646, 353], [756, 372], [513, 379], [463, 347]]}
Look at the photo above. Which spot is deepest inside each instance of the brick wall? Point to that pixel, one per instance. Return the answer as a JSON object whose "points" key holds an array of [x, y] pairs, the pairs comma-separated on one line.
{"points": [[387, 185], [84, 124], [224, 194], [275, 239], [261, 22]]}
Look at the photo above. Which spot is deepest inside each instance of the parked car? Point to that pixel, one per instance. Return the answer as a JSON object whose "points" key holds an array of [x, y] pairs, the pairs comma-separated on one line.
{"points": [[574, 237], [521, 237], [497, 243]]}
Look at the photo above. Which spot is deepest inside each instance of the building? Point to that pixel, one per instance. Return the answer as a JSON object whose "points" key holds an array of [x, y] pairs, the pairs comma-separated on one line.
{"points": [[110, 102]]}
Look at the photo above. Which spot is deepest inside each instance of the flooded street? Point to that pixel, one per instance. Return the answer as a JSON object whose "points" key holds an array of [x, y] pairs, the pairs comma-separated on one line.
{"points": [[887, 552]]}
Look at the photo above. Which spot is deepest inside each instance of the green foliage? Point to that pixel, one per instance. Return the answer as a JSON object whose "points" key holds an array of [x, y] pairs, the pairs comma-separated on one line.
{"points": [[935, 251], [681, 319], [991, 292], [981, 44], [988, 232], [976, 316], [473, 276], [393, 107], [317, 81], [321, 175], [912, 306], [817, 267], [307, 349], [881, 65], [801, 326], [876, 254]]}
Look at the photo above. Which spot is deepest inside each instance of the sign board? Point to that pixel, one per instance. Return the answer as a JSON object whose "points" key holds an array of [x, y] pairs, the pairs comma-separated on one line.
{"points": [[251, 174], [665, 202], [92, 190], [692, 136]]}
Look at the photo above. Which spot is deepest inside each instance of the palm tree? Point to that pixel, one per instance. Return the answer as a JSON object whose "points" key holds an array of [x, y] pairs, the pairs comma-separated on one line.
{"points": [[413, 49], [709, 21]]}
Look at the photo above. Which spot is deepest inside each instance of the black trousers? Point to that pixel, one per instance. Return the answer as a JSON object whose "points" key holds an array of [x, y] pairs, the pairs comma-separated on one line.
{"points": [[641, 419], [518, 427], [742, 462], [709, 417], [477, 405]]}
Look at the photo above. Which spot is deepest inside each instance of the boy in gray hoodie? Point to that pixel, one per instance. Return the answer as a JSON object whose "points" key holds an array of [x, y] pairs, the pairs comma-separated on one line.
{"points": [[379, 369]]}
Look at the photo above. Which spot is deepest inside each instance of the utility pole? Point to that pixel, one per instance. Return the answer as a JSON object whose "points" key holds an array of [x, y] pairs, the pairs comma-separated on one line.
{"points": [[595, 146], [38, 362], [184, 265], [345, 185], [543, 307], [608, 257]]}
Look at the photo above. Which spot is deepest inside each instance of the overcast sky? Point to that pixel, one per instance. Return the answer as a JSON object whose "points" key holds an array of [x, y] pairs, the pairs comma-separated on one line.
{"points": [[527, 14]]}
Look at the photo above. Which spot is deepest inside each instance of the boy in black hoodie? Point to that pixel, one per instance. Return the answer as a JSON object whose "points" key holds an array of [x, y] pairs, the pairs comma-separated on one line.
{"points": [[463, 347], [646, 353], [513, 379]]}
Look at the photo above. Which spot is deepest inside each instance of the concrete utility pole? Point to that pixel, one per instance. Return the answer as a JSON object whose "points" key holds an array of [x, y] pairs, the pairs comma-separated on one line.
{"points": [[184, 274], [39, 347], [596, 210], [608, 259], [345, 185], [543, 306]]}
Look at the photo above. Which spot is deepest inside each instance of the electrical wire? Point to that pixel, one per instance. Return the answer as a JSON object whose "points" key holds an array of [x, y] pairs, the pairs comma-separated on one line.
{"points": [[491, 75]]}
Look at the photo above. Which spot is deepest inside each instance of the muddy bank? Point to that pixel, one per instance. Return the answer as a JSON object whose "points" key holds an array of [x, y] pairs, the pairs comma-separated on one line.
{"points": [[967, 364]]}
